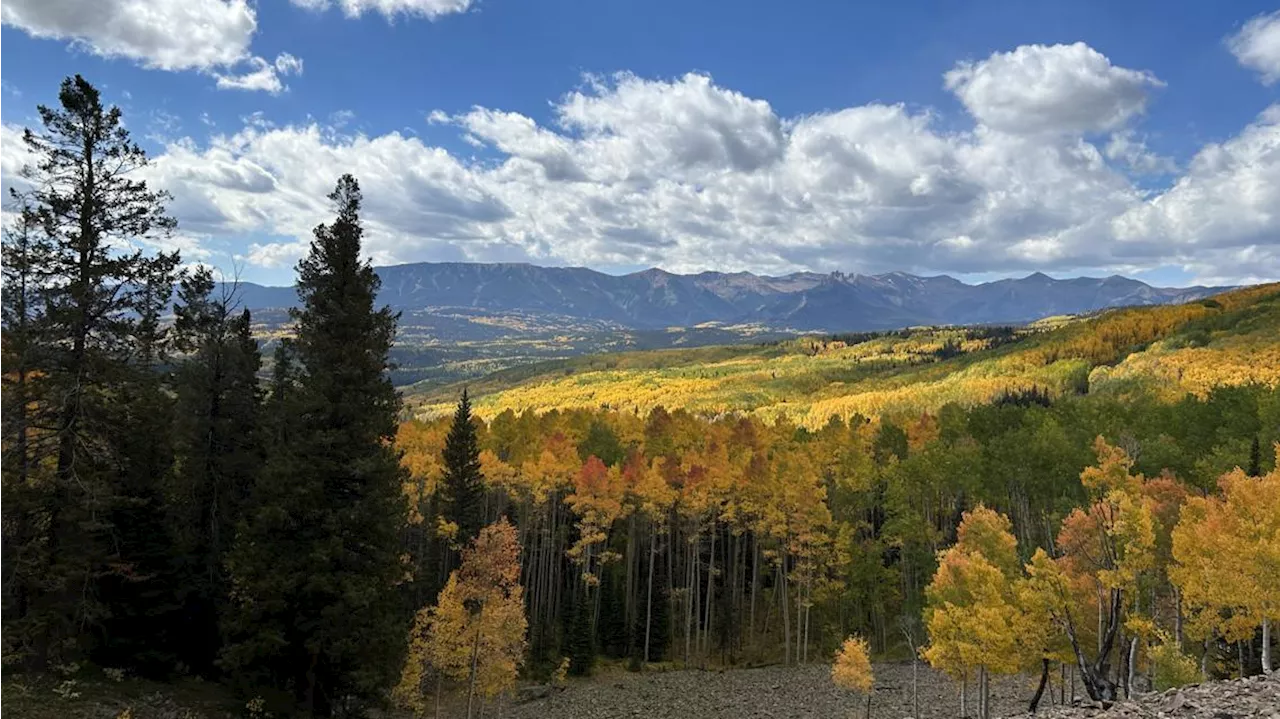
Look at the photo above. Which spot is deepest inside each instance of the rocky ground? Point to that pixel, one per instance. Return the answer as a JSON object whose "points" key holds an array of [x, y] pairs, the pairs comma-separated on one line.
{"points": [[799, 692], [771, 692], [1249, 698]]}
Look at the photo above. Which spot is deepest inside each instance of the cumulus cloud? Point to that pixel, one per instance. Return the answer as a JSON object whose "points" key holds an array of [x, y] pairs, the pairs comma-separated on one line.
{"points": [[1051, 89], [211, 36], [690, 175], [1257, 46], [429, 9], [680, 173], [1222, 217], [262, 75]]}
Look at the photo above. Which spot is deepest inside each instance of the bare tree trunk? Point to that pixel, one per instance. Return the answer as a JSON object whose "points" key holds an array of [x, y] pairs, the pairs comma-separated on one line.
{"points": [[915, 684], [711, 571], [1177, 618], [1240, 654], [786, 613], [1266, 646], [648, 611], [1044, 680], [475, 659], [690, 588], [1133, 656]]}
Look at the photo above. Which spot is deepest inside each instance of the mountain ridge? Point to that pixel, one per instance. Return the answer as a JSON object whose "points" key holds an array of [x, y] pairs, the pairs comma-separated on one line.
{"points": [[805, 301]]}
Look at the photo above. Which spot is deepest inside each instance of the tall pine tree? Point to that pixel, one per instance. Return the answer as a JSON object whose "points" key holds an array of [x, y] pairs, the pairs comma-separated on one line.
{"points": [[218, 444], [24, 489], [463, 482], [97, 297], [316, 560]]}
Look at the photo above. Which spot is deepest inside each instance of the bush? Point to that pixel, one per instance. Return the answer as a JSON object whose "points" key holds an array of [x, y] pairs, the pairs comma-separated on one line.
{"points": [[1173, 668]]}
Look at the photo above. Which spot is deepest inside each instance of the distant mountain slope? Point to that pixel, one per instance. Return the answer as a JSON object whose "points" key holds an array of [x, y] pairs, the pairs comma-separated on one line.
{"points": [[654, 299], [1167, 351]]}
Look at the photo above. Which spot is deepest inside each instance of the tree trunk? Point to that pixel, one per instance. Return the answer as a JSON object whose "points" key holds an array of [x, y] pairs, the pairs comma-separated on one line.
{"points": [[475, 659], [1266, 646], [711, 570], [1044, 680], [1177, 618], [1133, 656], [648, 606]]}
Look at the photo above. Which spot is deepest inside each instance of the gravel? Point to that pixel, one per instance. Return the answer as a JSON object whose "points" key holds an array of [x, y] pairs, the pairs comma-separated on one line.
{"points": [[771, 692], [1255, 697]]}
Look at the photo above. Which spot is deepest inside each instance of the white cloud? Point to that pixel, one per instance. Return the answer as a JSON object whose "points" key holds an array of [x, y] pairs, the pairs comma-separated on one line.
{"points": [[161, 34], [210, 36], [1226, 205], [1125, 147], [429, 9], [1257, 46], [262, 75], [1051, 89], [682, 173], [690, 175]]}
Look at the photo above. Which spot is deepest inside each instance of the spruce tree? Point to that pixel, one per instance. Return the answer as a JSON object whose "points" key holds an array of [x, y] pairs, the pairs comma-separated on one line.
{"points": [[141, 624], [94, 296], [1255, 458], [218, 445], [463, 482], [24, 490], [316, 561]]}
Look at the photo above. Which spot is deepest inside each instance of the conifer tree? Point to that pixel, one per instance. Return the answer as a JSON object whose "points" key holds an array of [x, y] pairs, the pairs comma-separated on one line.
{"points": [[316, 560], [94, 295], [218, 444], [23, 251], [463, 481], [141, 624]]}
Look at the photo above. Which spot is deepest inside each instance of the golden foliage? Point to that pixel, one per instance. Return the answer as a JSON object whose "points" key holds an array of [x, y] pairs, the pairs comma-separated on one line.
{"points": [[478, 619], [852, 667]]}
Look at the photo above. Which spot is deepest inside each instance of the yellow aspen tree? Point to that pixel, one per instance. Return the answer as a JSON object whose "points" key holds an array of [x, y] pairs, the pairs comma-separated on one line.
{"points": [[852, 669], [1226, 554], [975, 615], [475, 633]]}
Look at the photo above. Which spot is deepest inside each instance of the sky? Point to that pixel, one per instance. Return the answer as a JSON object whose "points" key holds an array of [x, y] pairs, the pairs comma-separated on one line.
{"points": [[977, 139]]}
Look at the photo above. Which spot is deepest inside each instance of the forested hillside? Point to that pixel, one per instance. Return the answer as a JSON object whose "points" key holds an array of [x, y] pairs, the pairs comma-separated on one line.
{"points": [[1228, 339]]}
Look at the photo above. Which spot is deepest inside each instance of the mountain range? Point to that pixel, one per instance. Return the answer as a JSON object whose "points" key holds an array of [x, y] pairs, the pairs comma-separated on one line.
{"points": [[806, 301]]}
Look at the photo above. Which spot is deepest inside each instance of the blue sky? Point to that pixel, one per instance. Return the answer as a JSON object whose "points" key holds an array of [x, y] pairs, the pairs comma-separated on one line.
{"points": [[980, 139]]}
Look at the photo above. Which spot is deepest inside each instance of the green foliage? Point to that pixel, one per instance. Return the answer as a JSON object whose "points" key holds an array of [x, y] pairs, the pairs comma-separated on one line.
{"points": [[85, 341], [1172, 667], [463, 483], [580, 638], [316, 560]]}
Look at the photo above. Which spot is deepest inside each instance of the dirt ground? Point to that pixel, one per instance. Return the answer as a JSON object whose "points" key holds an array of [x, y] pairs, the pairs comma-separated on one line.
{"points": [[772, 692]]}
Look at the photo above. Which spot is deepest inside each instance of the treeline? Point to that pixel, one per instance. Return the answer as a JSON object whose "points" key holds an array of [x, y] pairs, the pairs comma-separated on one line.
{"points": [[164, 513], [671, 537]]}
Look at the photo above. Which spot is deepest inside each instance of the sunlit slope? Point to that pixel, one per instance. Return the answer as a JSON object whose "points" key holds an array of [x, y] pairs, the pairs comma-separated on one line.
{"points": [[1231, 338]]}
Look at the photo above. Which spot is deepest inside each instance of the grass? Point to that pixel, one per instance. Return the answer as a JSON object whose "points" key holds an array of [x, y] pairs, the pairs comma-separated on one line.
{"points": [[94, 694]]}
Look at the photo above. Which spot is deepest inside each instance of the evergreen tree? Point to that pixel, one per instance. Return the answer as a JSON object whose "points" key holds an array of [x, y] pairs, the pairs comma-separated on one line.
{"points": [[24, 250], [463, 483], [580, 640], [218, 445], [1255, 458], [96, 298], [141, 623], [316, 560]]}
